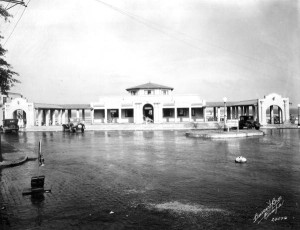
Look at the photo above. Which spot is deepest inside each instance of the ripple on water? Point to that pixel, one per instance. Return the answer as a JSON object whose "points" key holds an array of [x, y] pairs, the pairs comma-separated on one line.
{"points": [[178, 207]]}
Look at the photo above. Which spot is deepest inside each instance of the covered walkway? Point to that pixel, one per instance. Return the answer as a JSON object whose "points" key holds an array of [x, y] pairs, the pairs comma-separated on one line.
{"points": [[51, 114], [272, 109], [233, 110]]}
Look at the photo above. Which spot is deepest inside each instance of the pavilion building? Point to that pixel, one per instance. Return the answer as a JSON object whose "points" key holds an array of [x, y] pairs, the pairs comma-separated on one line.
{"points": [[148, 103]]}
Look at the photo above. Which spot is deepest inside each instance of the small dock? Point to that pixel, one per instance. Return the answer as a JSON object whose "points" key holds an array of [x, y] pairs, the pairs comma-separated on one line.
{"points": [[217, 134]]}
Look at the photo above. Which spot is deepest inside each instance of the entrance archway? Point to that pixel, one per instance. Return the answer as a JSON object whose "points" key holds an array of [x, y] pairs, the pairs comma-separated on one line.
{"points": [[148, 112], [21, 116], [274, 115], [266, 108]]}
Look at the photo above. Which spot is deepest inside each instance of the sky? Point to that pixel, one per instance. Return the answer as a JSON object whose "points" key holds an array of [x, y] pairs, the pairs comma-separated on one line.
{"points": [[76, 51]]}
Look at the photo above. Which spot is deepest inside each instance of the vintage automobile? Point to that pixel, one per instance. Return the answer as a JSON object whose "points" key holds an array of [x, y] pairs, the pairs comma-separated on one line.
{"points": [[248, 122], [74, 125], [10, 125]]}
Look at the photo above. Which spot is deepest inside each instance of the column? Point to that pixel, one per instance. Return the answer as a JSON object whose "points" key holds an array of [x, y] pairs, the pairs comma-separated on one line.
{"points": [[47, 117], [120, 115], [92, 116], [59, 116], [77, 114], [135, 113], [40, 117], [280, 115], [219, 114], [53, 118], [105, 115], [175, 114], [204, 114], [190, 114], [156, 115], [284, 112]]}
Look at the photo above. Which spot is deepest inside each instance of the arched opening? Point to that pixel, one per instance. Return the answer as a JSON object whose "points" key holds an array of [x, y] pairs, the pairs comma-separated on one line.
{"points": [[148, 112], [21, 116], [274, 115]]}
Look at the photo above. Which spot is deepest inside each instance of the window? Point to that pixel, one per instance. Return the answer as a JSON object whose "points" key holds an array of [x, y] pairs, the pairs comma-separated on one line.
{"points": [[168, 112], [182, 112], [133, 92], [149, 92], [165, 92], [128, 112]]}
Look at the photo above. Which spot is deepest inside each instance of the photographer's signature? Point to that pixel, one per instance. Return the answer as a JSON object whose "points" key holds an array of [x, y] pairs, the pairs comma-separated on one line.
{"points": [[272, 207]]}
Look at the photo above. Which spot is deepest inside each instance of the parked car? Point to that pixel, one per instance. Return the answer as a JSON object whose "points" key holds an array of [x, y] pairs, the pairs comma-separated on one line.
{"points": [[10, 125], [248, 122], [74, 125]]}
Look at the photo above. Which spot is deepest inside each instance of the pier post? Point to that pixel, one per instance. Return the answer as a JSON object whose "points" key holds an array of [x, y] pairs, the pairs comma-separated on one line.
{"points": [[1, 158]]}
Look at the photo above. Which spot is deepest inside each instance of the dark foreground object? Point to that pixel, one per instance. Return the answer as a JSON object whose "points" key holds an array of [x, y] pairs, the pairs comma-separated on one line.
{"points": [[37, 186]]}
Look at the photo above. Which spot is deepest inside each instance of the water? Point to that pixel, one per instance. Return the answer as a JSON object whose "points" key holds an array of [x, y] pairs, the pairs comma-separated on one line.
{"points": [[155, 180]]}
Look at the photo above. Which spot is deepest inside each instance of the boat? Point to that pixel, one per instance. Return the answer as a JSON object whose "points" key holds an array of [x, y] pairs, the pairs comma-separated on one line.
{"points": [[240, 159]]}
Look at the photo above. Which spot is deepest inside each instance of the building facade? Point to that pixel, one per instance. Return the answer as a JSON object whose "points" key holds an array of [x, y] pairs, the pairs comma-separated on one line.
{"points": [[148, 103], [6, 99]]}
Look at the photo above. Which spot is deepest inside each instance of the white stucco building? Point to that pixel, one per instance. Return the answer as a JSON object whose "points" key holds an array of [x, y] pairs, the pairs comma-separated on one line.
{"points": [[148, 103], [152, 102]]}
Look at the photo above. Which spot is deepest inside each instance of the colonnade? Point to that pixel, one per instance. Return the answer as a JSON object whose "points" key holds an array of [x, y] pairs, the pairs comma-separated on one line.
{"points": [[233, 112], [103, 115], [52, 117]]}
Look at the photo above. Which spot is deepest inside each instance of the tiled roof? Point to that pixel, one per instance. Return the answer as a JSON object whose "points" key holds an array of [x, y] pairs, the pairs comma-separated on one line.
{"points": [[65, 106], [150, 86]]}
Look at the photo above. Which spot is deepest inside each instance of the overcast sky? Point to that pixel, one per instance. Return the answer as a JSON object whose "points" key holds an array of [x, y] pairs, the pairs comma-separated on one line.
{"points": [[75, 51]]}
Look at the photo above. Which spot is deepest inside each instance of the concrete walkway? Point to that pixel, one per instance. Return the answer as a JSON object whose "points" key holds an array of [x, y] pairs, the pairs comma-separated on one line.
{"points": [[131, 126], [151, 126], [213, 134], [14, 157]]}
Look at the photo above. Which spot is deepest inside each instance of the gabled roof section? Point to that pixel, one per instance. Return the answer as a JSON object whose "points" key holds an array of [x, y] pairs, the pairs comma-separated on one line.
{"points": [[150, 86]]}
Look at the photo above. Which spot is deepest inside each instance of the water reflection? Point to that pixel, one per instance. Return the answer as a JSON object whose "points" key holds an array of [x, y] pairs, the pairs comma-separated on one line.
{"points": [[160, 179], [37, 201]]}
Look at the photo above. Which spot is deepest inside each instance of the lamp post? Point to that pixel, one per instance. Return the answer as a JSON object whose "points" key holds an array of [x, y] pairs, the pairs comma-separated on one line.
{"points": [[225, 100], [298, 115]]}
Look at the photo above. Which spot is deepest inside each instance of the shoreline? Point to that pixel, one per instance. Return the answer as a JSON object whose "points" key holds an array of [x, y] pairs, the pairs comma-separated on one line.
{"points": [[220, 134], [141, 127]]}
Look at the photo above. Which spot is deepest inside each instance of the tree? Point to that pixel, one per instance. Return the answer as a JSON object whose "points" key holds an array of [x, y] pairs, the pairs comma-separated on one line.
{"points": [[7, 75], [7, 79]]}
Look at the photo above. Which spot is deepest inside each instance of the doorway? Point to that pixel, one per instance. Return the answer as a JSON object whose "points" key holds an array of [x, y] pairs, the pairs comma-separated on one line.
{"points": [[148, 112]]}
